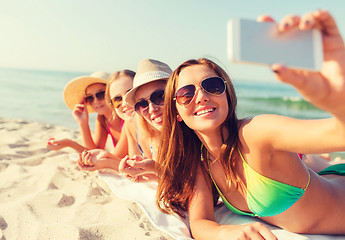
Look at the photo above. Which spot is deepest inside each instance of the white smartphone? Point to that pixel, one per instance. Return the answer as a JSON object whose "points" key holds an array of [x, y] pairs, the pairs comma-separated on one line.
{"points": [[250, 41]]}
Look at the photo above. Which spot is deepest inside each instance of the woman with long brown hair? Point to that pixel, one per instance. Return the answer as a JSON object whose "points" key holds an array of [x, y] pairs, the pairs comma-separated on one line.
{"points": [[206, 152]]}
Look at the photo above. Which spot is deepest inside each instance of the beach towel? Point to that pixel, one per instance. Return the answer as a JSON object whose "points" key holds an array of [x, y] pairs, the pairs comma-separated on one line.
{"points": [[144, 195]]}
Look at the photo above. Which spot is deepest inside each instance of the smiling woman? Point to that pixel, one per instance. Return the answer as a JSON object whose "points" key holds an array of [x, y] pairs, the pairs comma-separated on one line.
{"points": [[85, 95]]}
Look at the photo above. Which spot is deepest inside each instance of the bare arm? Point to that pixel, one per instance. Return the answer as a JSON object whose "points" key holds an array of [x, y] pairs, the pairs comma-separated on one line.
{"points": [[121, 149], [202, 222], [56, 145], [325, 89], [100, 136]]}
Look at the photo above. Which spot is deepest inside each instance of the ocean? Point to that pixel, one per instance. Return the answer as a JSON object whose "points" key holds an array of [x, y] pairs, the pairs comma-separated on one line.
{"points": [[35, 95]]}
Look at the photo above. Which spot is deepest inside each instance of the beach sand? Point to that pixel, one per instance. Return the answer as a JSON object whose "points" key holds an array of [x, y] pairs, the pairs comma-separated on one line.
{"points": [[44, 195]]}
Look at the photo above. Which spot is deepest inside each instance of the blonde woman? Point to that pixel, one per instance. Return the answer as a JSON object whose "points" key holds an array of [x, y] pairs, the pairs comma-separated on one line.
{"points": [[142, 140]]}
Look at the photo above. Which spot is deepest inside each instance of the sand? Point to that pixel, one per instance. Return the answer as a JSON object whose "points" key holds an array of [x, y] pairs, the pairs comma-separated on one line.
{"points": [[44, 195]]}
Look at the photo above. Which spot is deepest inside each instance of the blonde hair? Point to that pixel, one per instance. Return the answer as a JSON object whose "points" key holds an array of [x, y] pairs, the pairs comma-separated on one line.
{"points": [[112, 78]]}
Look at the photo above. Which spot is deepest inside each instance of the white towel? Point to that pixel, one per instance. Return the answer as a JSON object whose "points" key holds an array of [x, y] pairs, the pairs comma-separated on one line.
{"points": [[144, 195]]}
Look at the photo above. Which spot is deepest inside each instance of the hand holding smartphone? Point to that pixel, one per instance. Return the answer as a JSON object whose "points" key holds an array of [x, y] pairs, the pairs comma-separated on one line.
{"points": [[250, 41]]}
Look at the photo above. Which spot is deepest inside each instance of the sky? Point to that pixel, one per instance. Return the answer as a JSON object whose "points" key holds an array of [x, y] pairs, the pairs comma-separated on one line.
{"points": [[110, 35]]}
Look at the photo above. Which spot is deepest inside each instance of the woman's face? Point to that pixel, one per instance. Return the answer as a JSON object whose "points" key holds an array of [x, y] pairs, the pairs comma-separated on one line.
{"points": [[206, 112], [153, 114], [95, 98], [117, 90]]}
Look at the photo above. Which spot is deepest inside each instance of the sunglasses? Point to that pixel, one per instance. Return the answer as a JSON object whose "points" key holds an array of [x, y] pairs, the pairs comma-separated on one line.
{"points": [[213, 85], [100, 96], [117, 101], [157, 98]]}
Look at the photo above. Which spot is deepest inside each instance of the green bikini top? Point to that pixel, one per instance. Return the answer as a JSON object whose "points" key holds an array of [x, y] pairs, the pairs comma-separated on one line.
{"points": [[265, 197]]}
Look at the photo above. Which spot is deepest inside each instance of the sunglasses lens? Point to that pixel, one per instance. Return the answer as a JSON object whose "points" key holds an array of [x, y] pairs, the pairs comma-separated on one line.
{"points": [[214, 85], [141, 106], [185, 94], [157, 97], [89, 99], [100, 95]]}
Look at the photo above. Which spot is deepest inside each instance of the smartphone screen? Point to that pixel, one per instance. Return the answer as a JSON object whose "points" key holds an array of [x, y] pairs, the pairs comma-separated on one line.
{"points": [[250, 41]]}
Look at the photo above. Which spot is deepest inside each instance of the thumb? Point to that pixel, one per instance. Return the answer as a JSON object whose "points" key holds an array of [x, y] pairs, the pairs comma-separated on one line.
{"points": [[307, 83], [136, 164]]}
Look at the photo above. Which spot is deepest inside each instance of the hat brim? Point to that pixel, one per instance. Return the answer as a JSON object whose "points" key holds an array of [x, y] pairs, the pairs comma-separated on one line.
{"points": [[74, 91]]}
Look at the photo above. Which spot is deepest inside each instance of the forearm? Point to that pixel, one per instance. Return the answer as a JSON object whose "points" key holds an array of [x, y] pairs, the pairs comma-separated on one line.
{"points": [[76, 146], [205, 229], [111, 162], [87, 137]]}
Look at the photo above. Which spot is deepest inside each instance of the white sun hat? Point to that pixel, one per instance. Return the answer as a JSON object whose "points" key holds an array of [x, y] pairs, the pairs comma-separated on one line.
{"points": [[149, 70]]}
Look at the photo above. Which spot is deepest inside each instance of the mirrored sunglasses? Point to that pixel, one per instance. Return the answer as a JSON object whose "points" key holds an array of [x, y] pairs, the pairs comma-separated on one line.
{"points": [[214, 86]]}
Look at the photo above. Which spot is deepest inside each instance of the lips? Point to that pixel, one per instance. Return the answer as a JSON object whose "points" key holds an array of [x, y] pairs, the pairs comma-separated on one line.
{"points": [[99, 107], [157, 119], [128, 111], [204, 111]]}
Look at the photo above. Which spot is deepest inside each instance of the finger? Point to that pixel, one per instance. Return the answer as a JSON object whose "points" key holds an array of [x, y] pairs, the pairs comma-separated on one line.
{"points": [[308, 22], [264, 18], [326, 21], [84, 157], [133, 172], [123, 163], [133, 163], [80, 161], [89, 159], [138, 157], [288, 22], [266, 233], [310, 84]]}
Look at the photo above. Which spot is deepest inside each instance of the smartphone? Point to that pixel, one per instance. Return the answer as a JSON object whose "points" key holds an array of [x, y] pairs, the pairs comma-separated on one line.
{"points": [[250, 41]]}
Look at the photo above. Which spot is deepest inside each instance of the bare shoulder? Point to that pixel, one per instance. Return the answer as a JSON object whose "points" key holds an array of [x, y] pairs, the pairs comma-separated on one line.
{"points": [[259, 129], [131, 128]]}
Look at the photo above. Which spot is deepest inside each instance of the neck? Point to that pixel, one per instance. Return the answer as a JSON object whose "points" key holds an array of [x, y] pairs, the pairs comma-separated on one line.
{"points": [[212, 142], [110, 116]]}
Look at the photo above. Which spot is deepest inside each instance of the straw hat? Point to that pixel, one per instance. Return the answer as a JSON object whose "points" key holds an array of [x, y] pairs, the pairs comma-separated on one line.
{"points": [[149, 70], [75, 89]]}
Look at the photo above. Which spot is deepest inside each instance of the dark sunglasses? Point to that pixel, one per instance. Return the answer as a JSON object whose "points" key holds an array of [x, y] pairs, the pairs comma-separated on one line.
{"points": [[100, 96], [213, 85], [157, 98], [117, 101]]}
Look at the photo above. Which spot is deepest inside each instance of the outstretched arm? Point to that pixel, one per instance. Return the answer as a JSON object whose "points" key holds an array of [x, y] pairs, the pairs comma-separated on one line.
{"points": [[325, 89], [56, 145]]}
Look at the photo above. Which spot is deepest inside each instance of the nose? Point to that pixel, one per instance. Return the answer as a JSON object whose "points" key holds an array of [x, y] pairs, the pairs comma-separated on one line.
{"points": [[200, 96], [152, 107], [123, 104], [96, 100]]}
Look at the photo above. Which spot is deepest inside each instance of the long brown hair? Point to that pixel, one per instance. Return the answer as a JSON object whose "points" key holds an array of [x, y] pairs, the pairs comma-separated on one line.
{"points": [[179, 152]]}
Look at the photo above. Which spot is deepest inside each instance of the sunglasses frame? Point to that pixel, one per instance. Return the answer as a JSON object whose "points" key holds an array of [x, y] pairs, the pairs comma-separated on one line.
{"points": [[200, 87], [147, 99], [93, 96]]}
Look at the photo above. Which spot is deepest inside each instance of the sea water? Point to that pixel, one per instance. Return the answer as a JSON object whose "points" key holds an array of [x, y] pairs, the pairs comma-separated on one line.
{"points": [[35, 95]]}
